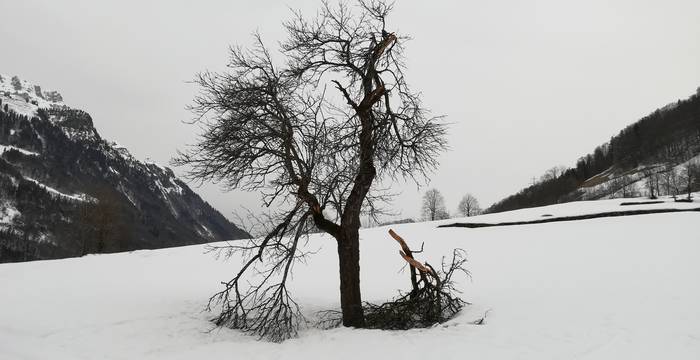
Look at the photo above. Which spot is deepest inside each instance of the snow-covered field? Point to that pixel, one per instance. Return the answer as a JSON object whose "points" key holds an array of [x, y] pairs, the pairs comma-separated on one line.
{"points": [[609, 288], [583, 208]]}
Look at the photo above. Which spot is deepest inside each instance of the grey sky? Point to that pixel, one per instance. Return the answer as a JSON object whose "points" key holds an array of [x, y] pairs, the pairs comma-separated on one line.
{"points": [[526, 85]]}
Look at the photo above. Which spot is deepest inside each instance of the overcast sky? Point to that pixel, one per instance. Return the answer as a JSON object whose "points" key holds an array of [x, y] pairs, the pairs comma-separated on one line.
{"points": [[526, 85]]}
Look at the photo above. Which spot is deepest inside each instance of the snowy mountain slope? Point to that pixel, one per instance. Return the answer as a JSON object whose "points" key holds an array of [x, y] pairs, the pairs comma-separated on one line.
{"points": [[615, 183], [66, 191], [613, 288]]}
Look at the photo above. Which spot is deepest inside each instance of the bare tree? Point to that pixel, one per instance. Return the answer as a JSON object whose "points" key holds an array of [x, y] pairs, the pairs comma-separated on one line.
{"points": [[553, 173], [627, 187], [433, 207], [668, 177], [621, 186], [610, 187], [691, 175], [469, 206], [651, 181], [313, 151]]}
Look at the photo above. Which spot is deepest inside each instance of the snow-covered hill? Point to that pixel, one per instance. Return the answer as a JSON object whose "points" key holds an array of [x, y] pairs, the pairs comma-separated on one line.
{"points": [[610, 288]]}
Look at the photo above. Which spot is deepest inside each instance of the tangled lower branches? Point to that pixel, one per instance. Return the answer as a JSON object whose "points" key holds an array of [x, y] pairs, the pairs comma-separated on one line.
{"points": [[433, 298], [433, 301], [264, 307]]}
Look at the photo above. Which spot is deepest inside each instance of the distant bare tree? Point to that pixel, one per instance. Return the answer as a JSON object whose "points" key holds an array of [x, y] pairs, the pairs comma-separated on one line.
{"points": [[469, 206], [668, 179], [628, 188], [621, 186], [611, 186], [276, 128], [433, 207], [651, 181], [691, 177], [553, 173]]}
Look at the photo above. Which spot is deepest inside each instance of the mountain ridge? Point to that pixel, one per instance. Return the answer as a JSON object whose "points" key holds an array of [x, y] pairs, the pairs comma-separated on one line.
{"points": [[66, 191]]}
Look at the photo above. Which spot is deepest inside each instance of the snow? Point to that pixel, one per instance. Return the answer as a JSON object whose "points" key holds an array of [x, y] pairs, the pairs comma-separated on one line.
{"points": [[4, 148], [148, 161], [77, 197], [30, 92], [694, 160], [19, 105], [128, 195], [579, 208], [607, 288], [206, 231], [121, 150], [596, 187], [7, 214]]}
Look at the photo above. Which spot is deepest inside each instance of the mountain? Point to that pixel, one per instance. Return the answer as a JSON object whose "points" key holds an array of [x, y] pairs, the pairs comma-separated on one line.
{"points": [[657, 155], [65, 191]]}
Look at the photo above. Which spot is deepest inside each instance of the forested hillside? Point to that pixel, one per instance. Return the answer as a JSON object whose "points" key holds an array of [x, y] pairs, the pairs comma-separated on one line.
{"points": [[654, 156]]}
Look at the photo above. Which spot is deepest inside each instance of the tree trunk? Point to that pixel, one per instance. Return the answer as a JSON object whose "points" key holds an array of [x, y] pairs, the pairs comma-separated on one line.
{"points": [[349, 260]]}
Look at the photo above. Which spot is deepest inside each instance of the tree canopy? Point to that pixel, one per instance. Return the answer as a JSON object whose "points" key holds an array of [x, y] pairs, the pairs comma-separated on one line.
{"points": [[312, 132]]}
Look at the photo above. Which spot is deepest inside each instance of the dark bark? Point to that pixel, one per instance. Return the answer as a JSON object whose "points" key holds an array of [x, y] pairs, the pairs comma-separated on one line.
{"points": [[349, 241], [349, 264]]}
